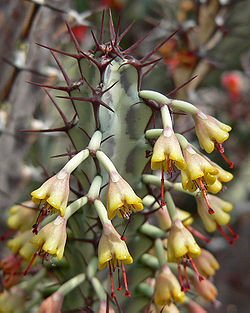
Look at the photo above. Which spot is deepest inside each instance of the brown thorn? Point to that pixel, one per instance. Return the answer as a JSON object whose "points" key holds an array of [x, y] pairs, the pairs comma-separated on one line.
{"points": [[111, 26], [181, 86], [125, 32], [102, 27], [73, 38]]}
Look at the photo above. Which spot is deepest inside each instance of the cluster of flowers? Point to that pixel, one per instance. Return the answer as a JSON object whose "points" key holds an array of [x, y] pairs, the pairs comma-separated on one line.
{"points": [[199, 176]]}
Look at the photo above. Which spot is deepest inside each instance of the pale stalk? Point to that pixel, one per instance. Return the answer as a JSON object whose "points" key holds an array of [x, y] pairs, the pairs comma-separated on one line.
{"points": [[95, 187], [95, 141], [160, 253], [76, 161], [102, 212], [71, 284], [106, 162], [171, 206], [75, 206]]}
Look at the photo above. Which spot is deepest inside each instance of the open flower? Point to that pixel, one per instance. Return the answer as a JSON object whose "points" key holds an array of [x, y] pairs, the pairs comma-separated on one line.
{"points": [[205, 289], [219, 217], [199, 171], [167, 288], [121, 197], [181, 242], [22, 216], [210, 131], [167, 151], [52, 237], [113, 252], [165, 221], [170, 308], [52, 304], [206, 263], [54, 192]]}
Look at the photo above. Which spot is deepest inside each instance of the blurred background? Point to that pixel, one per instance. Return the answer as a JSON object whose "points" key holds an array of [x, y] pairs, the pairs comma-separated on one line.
{"points": [[212, 45]]}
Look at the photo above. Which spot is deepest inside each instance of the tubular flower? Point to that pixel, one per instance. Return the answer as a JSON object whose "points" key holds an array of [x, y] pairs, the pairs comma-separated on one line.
{"points": [[52, 304], [181, 243], [219, 217], [167, 151], [167, 288], [113, 251], [198, 173], [206, 263], [121, 197], [21, 245], [54, 193], [165, 221], [205, 289], [12, 301], [210, 131], [22, 216], [52, 237]]}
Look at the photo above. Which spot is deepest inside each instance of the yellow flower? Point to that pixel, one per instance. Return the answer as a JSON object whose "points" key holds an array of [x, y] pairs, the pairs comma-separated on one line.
{"points": [[112, 249], [205, 289], [12, 301], [167, 288], [210, 131], [219, 217], [22, 216], [21, 245], [170, 308], [52, 304], [180, 243], [165, 221], [54, 192], [168, 151], [206, 263], [52, 237], [199, 171], [121, 197]]}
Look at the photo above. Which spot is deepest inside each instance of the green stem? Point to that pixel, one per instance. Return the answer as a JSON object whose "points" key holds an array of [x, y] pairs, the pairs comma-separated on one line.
{"points": [[71, 284], [106, 162], [95, 141], [74, 206], [166, 118], [76, 161], [29, 285], [98, 287], [145, 289], [160, 252], [182, 141], [153, 133], [95, 187], [92, 267], [171, 207], [152, 231], [102, 212], [184, 106]]}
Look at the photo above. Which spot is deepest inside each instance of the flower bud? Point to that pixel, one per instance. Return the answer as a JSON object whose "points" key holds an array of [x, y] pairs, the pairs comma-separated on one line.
{"points": [[205, 289], [52, 304], [206, 263]]}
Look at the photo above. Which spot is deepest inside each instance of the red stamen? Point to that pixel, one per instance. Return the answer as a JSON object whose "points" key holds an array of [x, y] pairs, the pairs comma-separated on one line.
{"points": [[162, 185], [186, 276], [198, 234], [195, 268], [113, 295], [32, 260], [203, 189], [119, 281], [221, 151], [180, 276], [127, 293], [39, 220], [6, 235], [231, 242], [232, 232], [15, 269]]}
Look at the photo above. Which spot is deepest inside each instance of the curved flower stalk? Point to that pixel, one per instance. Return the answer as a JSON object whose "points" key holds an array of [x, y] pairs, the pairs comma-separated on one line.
{"points": [[121, 198], [22, 216], [167, 288]]}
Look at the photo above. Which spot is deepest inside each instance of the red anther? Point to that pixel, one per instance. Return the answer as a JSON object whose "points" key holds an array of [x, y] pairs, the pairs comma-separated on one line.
{"points": [[119, 281], [119, 288], [232, 232], [32, 260], [6, 235], [186, 276], [180, 276], [231, 242], [221, 151], [198, 234], [127, 293], [39, 219], [195, 269], [123, 238], [148, 153], [203, 189]]}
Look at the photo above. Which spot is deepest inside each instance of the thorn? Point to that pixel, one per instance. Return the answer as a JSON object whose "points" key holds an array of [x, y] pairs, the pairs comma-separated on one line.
{"points": [[75, 56], [181, 86], [111, 27], [61, 69], [102, 27], [125, 32], [73, 38]]}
